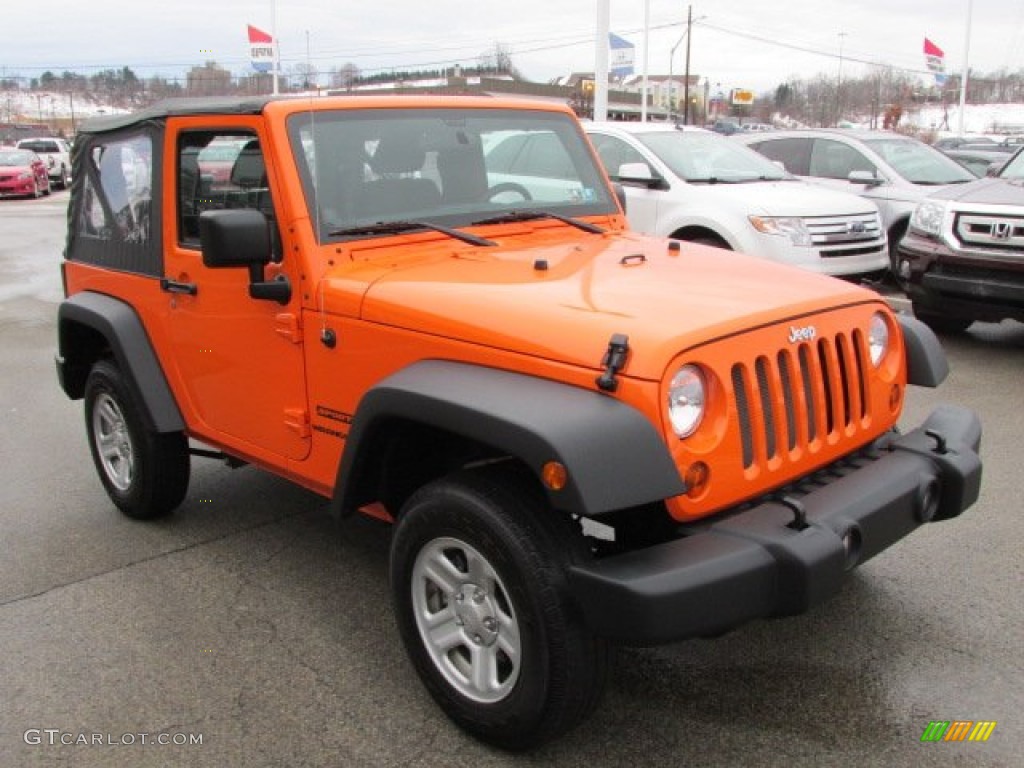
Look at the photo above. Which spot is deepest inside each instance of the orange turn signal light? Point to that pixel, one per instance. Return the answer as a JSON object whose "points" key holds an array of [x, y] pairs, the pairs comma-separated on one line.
{"points": [[696, 478], [555, 475]]}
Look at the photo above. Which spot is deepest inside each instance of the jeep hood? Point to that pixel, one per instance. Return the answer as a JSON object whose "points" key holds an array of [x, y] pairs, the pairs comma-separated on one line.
{"points": [[564, 300]]}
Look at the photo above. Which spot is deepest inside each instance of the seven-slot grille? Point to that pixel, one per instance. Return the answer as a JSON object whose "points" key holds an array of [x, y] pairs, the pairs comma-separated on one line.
{"points": [[845, 235], [792, 400]]}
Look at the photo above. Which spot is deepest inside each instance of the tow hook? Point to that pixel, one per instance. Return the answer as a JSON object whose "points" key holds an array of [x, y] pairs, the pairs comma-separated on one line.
{"points": [[799, 521], [940, 441]]}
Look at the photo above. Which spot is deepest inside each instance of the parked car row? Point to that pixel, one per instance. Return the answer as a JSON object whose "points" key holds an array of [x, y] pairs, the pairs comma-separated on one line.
{"points": [[34, 166], [691, 184], [56, 153], [22, 174], [839, 202]]}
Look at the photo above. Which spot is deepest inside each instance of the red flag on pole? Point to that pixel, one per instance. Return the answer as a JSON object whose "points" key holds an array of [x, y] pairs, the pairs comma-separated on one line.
{"points": [[259, 36], [261, 49], [935, 60]]}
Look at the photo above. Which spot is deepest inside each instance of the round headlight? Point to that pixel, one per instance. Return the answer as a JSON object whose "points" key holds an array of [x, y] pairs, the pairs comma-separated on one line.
{"points": [[878, 338], [686, 400]]}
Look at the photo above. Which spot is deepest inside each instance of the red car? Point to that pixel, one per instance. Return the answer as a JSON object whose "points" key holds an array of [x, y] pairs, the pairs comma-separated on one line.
{"points": [[22, 173]]}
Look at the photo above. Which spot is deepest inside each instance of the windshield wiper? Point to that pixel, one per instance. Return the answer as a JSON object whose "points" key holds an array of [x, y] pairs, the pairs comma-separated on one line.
{"points": [[713, 180], [396, 227], [526, 214]]}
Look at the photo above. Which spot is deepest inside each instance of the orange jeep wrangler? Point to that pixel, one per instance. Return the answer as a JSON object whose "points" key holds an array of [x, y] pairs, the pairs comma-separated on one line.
{"points": [[431, 309]]}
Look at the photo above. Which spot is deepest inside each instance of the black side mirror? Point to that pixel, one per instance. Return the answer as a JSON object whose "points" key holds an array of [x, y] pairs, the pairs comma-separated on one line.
{"points": [[241, 238]]}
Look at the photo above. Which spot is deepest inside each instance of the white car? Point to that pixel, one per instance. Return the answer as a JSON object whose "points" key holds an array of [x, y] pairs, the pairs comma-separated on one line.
{"points": [[692, 184], [895, 172], [56, 153]]}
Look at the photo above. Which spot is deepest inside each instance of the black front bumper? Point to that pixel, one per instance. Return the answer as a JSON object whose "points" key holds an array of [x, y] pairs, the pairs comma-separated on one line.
{"points": [[760, 562]]}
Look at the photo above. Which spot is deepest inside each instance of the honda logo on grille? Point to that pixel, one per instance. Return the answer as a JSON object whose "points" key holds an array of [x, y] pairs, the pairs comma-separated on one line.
{"points": [[855, 227], [1001, 230]]}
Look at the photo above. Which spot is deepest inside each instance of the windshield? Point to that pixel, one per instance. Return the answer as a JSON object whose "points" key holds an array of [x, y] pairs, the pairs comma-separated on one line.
{"points": [[448, 167], [39, 146], [919, 163], [1014, 169], [702, 156], [15, 158]]}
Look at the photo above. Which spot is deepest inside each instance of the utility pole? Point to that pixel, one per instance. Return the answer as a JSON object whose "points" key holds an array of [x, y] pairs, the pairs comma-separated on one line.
{"points": [[601, 61], [839, 80], [647, 47], [966, 73], [276, 65], [686, 77]]}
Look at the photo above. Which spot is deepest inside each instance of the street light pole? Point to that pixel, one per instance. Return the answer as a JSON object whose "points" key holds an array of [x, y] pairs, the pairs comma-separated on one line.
{"points": [[601, 61], [671, 80], [839, 80], [276, 65], [686, 77], [966, 73]]}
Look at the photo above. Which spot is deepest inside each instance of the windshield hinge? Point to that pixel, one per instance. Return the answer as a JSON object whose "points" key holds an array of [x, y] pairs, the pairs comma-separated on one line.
{"points": [[614, 361], [297, 420], [288, 326]]}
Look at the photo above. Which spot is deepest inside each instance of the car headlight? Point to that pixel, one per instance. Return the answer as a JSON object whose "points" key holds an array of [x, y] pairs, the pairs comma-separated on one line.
{"points": [[878, 338], [928, 217], [24, 175], [793, 228], [686, 394]]}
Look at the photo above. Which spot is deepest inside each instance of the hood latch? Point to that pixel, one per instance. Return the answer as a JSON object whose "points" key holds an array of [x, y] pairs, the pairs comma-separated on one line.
{"points": [[613, 362]]}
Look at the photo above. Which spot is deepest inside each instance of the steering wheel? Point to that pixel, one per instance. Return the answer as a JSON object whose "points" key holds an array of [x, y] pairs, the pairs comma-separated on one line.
{"points": [[508, 186]]}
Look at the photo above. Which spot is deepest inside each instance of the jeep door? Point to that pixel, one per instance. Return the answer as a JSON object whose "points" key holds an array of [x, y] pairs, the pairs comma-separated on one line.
{"points": [[239, 360]]}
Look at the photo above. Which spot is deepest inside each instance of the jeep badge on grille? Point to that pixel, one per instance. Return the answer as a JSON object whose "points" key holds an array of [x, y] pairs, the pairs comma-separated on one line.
{"points": [[807, 333]]}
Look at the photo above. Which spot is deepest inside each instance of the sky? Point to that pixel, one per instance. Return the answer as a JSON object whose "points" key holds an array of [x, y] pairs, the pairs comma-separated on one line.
{"points": [[736, 44]]}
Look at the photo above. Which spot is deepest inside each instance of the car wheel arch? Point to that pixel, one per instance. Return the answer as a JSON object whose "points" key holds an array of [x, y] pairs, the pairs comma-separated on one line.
{"points": [[92, 326], [494, 414]]}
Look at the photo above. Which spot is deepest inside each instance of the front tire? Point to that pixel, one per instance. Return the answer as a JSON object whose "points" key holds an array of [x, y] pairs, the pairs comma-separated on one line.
{"points": [[478, 579], [145, 473]]}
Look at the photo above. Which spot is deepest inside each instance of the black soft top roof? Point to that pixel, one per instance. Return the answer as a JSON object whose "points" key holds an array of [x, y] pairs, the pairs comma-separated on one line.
{"points": [[214, 105]]}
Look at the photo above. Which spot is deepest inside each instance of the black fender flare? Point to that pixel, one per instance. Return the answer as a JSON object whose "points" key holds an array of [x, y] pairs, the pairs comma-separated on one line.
{"points": [[122, 329], [927, 365], [614, 456]]}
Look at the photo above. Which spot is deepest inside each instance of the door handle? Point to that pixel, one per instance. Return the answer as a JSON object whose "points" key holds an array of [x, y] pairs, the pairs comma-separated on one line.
{"points": [[173, 286]]}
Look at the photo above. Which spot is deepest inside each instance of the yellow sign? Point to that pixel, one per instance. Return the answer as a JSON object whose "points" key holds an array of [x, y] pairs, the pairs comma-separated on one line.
{"points": [[742, 96]]}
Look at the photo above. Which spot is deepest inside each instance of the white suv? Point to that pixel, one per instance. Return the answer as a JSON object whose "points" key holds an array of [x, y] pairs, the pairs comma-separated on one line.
{"points": [[56, 153], [691, 184]]}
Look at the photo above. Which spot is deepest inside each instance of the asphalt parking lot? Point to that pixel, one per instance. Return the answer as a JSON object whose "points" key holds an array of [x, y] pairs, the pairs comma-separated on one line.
{"points": [[248, 629]]}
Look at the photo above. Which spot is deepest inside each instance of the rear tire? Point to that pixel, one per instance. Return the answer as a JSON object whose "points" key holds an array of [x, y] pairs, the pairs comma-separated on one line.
{"points": [[145, 473], [478, 579]]}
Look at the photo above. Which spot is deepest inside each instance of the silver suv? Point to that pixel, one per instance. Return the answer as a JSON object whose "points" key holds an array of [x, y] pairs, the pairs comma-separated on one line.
{"points": [[56, 153], [894, 171]]}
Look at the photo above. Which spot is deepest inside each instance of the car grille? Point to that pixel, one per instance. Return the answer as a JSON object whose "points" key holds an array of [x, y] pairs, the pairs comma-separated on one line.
{"points": [[832, 233], [797, 399], [1004, 233]]}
